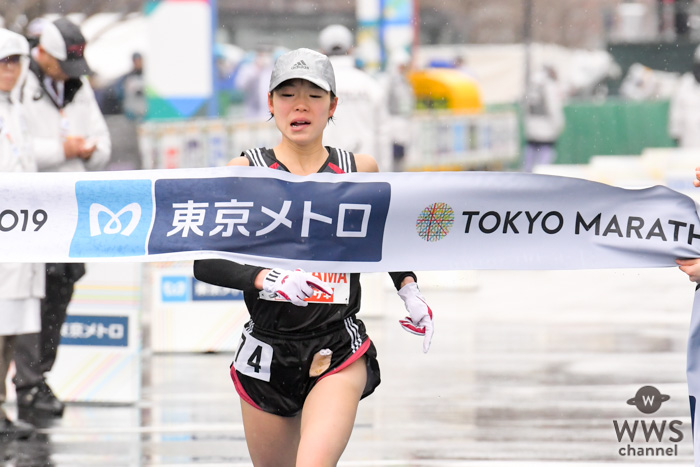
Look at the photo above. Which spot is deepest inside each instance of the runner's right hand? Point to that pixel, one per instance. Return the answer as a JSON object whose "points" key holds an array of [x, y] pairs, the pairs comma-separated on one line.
{"points": [[294, 286]]}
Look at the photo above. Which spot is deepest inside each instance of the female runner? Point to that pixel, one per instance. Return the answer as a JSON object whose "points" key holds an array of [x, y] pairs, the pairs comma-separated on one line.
{"points": [[303, 364]]}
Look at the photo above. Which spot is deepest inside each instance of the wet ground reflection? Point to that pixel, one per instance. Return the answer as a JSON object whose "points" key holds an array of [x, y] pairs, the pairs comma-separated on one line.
{"points": [[525, 367]]}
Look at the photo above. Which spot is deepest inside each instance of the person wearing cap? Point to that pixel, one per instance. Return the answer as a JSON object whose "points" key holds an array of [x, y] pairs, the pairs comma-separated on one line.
{"points": [[362, 122], [68, 134], [22, 284], [305, 360], [684, 109]]}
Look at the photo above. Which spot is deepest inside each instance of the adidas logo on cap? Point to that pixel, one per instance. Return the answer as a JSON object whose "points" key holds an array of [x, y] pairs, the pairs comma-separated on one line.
{"points": [[300, 64]]}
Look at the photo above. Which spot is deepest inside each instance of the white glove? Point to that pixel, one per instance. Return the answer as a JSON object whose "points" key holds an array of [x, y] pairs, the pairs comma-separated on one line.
{"points": [[420, 317], [294, 286]]}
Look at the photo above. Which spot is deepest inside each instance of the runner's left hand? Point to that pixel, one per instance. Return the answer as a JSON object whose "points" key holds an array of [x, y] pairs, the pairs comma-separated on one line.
{"points": [[420, 317]]}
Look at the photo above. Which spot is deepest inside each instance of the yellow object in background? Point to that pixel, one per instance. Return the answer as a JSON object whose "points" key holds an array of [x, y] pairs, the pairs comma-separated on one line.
{"points": [[445, 88]]}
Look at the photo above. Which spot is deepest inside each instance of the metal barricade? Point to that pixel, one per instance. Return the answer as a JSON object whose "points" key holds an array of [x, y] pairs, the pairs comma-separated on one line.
{"points": [[439, 141], [445, 141], [201, 143]]}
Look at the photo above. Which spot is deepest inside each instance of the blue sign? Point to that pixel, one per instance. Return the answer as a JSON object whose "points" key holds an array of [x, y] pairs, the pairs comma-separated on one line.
{"points": [[174, 288], [203, 291], [112, 331], [114, 217], [274, 218]]}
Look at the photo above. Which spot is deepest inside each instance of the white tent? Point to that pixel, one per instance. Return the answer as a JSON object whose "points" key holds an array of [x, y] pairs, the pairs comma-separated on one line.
{"points": [[112, 40]]}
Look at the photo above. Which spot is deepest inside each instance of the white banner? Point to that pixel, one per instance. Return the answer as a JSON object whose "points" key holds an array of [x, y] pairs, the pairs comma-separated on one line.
{"points": [[351, 223], [363, 222]]}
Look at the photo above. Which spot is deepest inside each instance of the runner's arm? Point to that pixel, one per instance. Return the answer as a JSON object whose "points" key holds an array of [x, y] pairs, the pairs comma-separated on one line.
{"points": [[229, 274]]}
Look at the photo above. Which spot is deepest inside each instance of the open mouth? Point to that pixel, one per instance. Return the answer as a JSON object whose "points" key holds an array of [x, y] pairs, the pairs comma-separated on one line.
{"points": [[300, 123]]}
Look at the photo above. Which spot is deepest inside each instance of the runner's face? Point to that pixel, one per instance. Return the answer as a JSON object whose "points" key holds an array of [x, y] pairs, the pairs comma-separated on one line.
{"points": [[301, 110], [10, 69]]}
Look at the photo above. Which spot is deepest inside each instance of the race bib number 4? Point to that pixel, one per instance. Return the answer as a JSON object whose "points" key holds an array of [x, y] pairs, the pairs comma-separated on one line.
{"points": [[339, 282], [253, 357]]}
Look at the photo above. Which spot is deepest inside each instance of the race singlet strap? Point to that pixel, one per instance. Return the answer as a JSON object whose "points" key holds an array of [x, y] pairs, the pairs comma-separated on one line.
{"points": [[257, 157]]}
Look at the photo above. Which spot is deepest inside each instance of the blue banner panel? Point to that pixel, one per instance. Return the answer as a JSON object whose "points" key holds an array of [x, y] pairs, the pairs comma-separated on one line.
{"points": [[113, 218], [111, 331], [174, 288], [272, 218]]}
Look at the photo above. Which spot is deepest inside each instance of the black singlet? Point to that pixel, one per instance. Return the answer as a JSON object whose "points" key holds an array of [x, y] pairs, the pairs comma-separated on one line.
{"points": [[283, 317]]}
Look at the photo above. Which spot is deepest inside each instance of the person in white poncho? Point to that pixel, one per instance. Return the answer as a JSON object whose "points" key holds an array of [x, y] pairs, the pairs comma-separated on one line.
{"points": [[684, 108], [22, 284], [544, 119], [68, 134]]}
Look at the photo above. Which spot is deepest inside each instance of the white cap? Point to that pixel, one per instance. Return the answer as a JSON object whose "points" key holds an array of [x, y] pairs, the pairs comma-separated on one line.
{"points": [[335, 39], [304, 64]]}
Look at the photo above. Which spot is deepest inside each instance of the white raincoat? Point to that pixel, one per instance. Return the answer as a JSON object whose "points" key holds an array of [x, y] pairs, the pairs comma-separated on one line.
{"points": [[21, 284], [361, 121], [684, 112], [544, 111], [49, 126]]}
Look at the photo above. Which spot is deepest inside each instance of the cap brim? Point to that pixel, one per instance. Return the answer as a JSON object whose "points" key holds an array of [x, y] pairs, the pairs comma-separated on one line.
{"points": [[323, 84], [75, 68]]}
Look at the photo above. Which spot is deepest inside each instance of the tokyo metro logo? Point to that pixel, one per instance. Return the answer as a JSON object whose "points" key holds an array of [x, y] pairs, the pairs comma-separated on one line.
{"points": [[114, 224], [435, 222], [114, 218]]}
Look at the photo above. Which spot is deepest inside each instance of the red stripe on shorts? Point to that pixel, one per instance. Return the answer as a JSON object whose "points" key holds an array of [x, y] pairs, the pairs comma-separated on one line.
{"points": [[360, 352], [239, 389]]}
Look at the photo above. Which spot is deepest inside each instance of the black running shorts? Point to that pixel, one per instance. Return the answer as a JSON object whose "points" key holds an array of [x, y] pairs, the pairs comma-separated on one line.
{"points": [[271, 371]]}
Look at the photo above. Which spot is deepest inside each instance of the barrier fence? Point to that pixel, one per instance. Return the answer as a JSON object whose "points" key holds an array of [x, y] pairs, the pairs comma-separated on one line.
{"points": [[444, 141], [439, 141]]}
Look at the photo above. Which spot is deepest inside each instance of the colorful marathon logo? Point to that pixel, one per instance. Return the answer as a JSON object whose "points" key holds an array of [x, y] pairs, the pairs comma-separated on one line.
{"points": [[435, 222]]}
